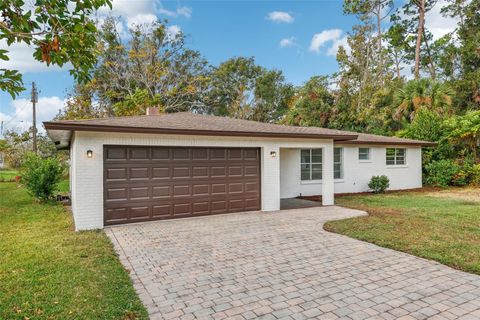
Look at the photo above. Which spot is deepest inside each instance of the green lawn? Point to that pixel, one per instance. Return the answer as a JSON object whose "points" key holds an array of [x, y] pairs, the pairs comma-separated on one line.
{"points": [[438, 225], [64, 186], [49, 271], [7, 174]]}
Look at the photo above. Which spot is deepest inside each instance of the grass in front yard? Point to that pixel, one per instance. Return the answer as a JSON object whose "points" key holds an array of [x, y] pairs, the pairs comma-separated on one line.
{"points": [[434, 225], [49, 271], [7, 174]]}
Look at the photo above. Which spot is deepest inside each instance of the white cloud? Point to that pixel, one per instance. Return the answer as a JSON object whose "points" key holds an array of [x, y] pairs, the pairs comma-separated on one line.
{"points": [[185, 11], [280, 17], [173, 31], [332, 51], [21, 58], [287, 42], [181, 11], [437, 24], [21, 117], [140, 19], [333, 37], [167, 12], [127, 8]]}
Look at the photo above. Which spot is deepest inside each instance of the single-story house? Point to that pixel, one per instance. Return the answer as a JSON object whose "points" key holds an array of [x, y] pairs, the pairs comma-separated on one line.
{"points": [[161, 166]]}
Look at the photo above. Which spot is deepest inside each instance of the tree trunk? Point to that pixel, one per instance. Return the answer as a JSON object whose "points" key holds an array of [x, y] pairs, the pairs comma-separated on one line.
{"points": [[421, 24], [397, 65], [432, 65], [379, 40]]}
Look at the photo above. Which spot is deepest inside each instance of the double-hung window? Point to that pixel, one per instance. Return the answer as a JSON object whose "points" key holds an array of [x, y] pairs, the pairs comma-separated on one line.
{"points": [[396, 156], [311, 164], [338, 163], [363, 154]]}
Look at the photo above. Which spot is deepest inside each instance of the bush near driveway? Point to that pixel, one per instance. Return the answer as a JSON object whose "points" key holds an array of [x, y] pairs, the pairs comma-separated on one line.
{"points": [[441, 226], [49, 271], [41, 175]]}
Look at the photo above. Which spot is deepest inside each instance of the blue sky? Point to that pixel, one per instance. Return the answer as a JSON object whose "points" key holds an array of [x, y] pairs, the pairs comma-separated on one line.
{"points": [[297, 37]]}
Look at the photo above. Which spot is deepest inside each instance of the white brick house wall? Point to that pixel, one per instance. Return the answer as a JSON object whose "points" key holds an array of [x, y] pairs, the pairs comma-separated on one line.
{"points": [[356, 173], [87, 173]]}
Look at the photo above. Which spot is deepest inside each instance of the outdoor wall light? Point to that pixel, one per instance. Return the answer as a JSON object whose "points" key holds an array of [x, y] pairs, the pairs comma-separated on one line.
{"points": [[89, 153], [273, 154]]}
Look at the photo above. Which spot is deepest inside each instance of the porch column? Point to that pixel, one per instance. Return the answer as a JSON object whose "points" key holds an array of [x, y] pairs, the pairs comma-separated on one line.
{"points": [[327, 175], [270, 178]]}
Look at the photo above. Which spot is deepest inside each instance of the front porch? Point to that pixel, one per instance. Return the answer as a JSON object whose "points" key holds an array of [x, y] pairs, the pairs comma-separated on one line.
{"points": [[306, 170], [297, 203]]}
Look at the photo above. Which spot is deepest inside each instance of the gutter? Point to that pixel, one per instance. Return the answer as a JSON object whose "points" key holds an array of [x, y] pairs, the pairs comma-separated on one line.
{"points": [[105, 128]]}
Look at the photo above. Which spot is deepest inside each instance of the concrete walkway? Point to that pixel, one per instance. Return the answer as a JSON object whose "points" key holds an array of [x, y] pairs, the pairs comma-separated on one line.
{"points": [[296, 203], [283, 265]]}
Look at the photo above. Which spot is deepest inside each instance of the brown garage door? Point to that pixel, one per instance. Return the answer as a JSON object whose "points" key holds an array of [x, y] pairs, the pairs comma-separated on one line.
{"points": [[152, 183]]}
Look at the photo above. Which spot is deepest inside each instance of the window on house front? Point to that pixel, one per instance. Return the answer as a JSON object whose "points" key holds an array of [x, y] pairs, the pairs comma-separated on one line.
{"points": [[311, 164], [396, 156], [338, 163], [363, 154]]}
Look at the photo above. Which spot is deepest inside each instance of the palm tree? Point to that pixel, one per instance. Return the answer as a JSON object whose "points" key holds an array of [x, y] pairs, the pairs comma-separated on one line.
{"points": [[422, 93]]}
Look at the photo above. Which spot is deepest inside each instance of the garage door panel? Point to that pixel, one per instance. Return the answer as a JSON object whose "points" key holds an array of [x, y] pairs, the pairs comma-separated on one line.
{"points": [[251, 187], [219, 188], [235, 154], [139, 153], [219, 206], [139, 193], [218, 172], [201, 190], [182, 209], [116, 153], [161, 192], [235, 171], [251, 154], [181, 172], [161, 154], [117, 214], [118, 174], [181, 190], [139, 173], [117, 194], [218, 154], [162, 211], [200, 154], [235, 187], [201, 207], [181, 154], [252, 204], [251, 171], [160, 173], [141, 212], [236, 204], [151, 183], [200, 172]]}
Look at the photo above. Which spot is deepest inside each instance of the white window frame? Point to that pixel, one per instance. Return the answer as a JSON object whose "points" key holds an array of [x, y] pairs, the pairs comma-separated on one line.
{"points": [[396, 157], [368, 159], [338, 162], [311, 163]]}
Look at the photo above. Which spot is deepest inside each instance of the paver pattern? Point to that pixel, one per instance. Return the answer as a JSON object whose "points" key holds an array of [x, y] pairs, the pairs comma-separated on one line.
{"points": [[283, 265]]}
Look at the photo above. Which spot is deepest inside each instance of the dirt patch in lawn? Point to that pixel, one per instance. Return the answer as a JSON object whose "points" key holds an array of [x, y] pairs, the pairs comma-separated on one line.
{"points": [[466, 194]]}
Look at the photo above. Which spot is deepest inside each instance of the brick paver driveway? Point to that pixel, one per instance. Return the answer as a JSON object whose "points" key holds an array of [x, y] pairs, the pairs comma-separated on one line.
{"points": [[283, 265]]}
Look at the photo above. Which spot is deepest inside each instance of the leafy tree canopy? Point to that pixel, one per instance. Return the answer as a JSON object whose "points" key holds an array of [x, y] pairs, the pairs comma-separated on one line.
{"points": [[59, 30]]}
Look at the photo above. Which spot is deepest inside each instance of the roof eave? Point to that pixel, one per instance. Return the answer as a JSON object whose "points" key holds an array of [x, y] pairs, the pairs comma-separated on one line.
{"points": [[104, 128], [393, 143]]}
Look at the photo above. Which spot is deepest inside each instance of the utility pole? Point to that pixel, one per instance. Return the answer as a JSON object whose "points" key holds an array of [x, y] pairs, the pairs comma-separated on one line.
{"points": [[34, 101]]}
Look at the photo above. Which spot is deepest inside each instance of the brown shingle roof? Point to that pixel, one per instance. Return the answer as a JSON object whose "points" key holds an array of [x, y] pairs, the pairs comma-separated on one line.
{"points": [[197, 124], [365, 138]]}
